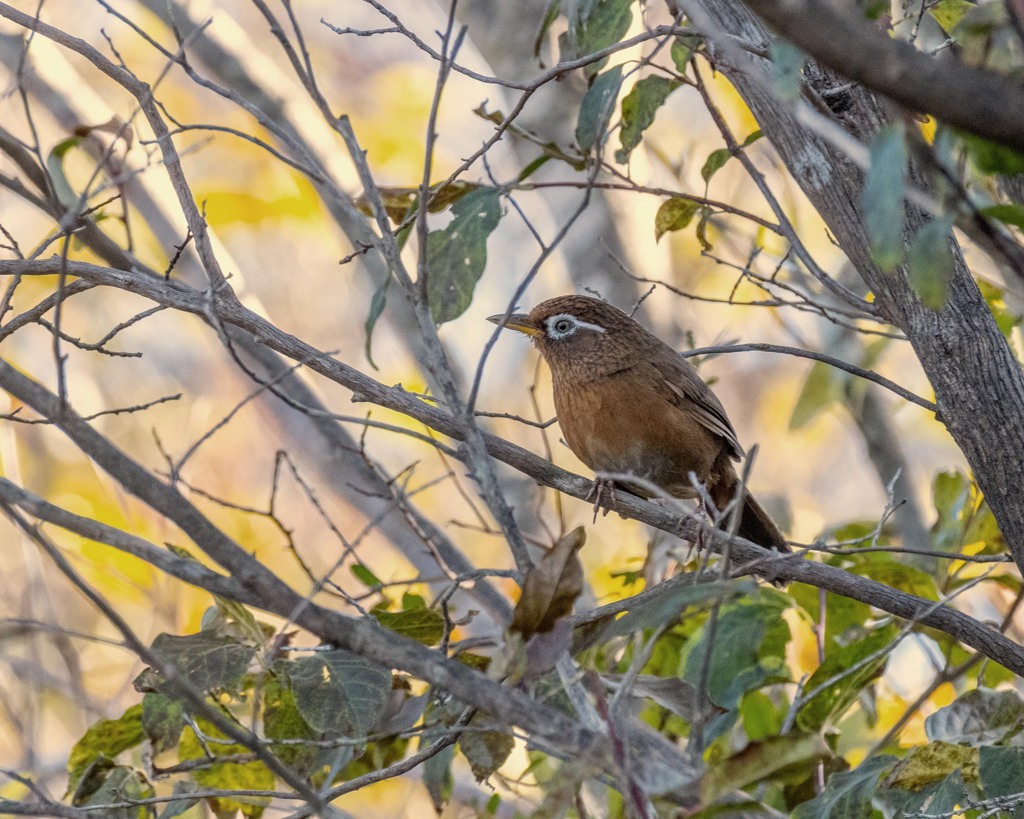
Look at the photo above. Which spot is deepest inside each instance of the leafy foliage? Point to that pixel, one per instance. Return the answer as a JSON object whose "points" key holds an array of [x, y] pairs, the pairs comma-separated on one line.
{"points": [[774, 697]]}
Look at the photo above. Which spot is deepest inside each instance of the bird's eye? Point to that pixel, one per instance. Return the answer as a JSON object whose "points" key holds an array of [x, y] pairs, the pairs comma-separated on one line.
{"points": [[563, 326]]}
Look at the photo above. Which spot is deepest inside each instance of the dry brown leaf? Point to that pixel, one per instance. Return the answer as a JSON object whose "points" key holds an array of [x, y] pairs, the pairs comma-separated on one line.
{"points": [[551, 587]]}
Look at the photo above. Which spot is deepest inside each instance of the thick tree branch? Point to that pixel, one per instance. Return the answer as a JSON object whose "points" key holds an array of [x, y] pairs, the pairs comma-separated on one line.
{"points": [[978, 101]]}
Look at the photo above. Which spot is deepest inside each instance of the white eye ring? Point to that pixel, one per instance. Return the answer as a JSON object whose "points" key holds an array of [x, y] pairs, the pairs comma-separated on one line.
{"points": [[564, 325]]}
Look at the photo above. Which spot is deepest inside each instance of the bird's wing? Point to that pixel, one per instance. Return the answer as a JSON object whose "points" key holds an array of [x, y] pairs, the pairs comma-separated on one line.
{"points": [[687, 390]]}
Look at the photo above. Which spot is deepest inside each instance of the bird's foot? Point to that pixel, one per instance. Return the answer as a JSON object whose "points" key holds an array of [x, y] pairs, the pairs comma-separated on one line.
{"points": [[695, 543], [602, 490]]}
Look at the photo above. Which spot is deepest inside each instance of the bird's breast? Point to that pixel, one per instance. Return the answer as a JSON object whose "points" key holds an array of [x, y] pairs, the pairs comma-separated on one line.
{"points": [[613, 426]]}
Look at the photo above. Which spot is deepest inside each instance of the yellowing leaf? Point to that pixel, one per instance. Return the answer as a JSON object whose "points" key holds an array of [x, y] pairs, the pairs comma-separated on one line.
{"points": [[674, 214], [948, 13], [105, 738], [249, 776], [933, 763]]}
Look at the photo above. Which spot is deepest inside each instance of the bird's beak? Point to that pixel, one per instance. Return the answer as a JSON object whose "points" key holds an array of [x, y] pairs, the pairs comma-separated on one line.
{"points": [[517, 321]]}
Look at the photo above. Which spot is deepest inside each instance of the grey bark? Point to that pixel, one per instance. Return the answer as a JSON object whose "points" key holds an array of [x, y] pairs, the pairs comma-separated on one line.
{"points": [[978, 384]]}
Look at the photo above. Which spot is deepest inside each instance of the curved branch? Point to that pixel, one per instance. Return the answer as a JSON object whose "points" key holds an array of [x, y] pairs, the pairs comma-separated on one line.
{"points": [[838, 363]]}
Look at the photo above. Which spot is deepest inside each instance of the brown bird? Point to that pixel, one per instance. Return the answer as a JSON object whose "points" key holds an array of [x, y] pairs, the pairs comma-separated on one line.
{"points": [[629, 403]]}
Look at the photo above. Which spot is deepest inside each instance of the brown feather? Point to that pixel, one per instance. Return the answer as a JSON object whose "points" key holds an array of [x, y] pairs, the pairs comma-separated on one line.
{"points": [[628, 403]]}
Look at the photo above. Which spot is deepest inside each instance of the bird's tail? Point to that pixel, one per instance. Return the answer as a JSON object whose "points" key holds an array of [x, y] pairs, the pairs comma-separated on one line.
{"points": [[755, 524], [758, 527]]}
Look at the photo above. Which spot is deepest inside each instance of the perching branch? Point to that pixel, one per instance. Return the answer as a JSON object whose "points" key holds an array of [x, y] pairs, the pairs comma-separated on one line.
{"points": [[959, 625]]}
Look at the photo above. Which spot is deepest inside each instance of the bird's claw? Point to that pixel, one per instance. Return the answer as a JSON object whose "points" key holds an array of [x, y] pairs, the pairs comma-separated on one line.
{"points": [[696, 543], [602, 489]]}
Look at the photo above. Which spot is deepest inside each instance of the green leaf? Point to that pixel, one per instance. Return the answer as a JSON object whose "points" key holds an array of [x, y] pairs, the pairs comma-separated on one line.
{"points": [[248, 776], [930, 263], [163, 720], [822, 387], [963, 517], [241, 623], [119, 785], [674, 214], [486, 750], [1002, 772], [550, 15], [638, 109], [206, 660], [841, 613], [105, 738], [738, 662], [55, 167], [365, 576], [752, 137], [437, 770], [457, 255], [596, 108], [979, 717], [339, 692], [883, 197], [181, 788], [787, 69], [702, 230], [951, 493], [672, 693], [939, 799], [762, 717], [718, 158], [1010, 214], [420, 624], [992, 158], [597, 24], [377, 304], [714, 163], [759, 761], [831, 702], [887, 570], [666, 606], [282, 720], [682, 50], [847, 795]]}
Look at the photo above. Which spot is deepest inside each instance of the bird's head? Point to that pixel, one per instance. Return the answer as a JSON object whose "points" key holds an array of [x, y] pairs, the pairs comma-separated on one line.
{"points": [[579, 330]]}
